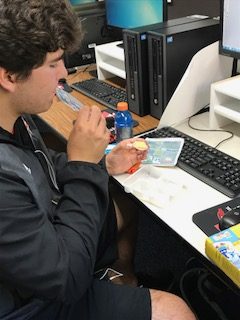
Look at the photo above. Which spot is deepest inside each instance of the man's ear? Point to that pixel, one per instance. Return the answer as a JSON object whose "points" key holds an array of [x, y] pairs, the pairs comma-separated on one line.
{"points": [[7, 80]]}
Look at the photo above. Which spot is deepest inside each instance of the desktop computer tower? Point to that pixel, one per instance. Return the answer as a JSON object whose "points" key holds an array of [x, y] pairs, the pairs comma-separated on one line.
{"points": [[136, 61], [170, 51]]}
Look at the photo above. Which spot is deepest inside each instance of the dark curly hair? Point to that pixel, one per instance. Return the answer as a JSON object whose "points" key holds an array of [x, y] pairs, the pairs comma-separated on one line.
{"points": [[29, 29]]}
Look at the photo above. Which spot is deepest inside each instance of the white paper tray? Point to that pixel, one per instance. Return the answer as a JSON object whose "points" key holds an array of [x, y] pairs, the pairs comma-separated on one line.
{"points": [[155, 185]]}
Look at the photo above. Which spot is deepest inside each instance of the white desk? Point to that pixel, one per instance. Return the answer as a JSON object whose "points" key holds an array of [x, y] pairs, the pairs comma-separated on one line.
{"points": [[197, 195]]}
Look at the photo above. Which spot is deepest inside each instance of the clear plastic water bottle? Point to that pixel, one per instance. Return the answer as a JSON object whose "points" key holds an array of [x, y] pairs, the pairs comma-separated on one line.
{"points": [[123, 122]]}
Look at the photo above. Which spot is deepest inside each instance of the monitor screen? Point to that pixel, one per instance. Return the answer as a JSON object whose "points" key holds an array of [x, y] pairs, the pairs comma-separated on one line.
{"points": [[126, 14], [230, 28]]}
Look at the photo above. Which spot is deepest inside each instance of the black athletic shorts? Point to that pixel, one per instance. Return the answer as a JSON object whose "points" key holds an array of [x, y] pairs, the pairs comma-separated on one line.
{"points": [[103, 301], [107, 301]]}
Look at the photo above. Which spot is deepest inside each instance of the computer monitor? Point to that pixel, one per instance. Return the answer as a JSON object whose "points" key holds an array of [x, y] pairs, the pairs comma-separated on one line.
{"points": [[229, 43], [77, 2], [126, 14]]}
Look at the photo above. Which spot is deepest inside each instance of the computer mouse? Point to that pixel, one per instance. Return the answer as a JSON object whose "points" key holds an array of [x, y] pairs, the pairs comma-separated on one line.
{"points": [[229, 219]]}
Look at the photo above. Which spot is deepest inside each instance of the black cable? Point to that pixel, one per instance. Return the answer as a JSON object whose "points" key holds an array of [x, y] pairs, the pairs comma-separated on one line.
{"points": [[86, 68], [212, 130]]}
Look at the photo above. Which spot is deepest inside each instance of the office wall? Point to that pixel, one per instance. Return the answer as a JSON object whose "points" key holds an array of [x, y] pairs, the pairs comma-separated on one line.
{"points": [[181, 8]]}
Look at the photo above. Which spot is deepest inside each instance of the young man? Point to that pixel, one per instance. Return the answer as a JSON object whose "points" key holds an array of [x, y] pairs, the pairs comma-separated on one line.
{"points": [[57, 221]]}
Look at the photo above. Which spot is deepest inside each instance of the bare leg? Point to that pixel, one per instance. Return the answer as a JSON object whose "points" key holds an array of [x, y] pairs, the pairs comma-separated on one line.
{"points": [[167, 306], [127, 217]]}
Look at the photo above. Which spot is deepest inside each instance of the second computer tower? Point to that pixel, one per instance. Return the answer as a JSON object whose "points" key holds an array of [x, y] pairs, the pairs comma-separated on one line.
{"points": [[136, 61], [170, 50]]}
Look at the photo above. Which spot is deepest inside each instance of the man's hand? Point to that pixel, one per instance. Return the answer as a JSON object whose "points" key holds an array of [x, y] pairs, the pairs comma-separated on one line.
{"points": [[89, 137], [124, 156]]}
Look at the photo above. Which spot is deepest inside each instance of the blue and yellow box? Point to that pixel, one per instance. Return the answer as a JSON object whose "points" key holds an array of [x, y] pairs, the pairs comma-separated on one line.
{"points": [[223, 248]]}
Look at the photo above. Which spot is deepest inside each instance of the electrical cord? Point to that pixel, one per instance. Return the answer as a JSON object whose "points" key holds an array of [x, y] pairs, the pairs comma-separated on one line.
{"points": [[211, 130]]}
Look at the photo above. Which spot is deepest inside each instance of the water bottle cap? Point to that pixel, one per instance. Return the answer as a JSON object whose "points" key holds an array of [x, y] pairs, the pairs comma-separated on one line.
{"points": [[122, 106]]}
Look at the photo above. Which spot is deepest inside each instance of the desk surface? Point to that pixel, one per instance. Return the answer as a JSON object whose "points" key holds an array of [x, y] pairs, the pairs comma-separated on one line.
{"points": [[197, 196], [61, 116]]}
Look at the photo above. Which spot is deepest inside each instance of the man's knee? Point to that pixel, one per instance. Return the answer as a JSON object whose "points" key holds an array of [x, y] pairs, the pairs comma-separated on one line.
{"points": [[168, 306]]}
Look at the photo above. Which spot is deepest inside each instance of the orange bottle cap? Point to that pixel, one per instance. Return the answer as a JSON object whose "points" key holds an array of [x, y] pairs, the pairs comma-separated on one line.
{"points": [[122, 106]]}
